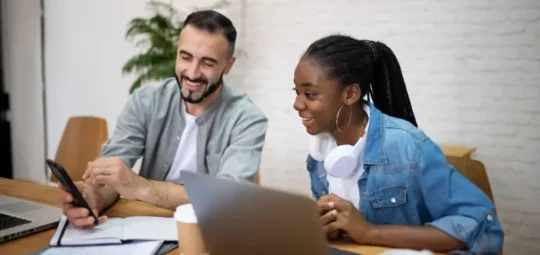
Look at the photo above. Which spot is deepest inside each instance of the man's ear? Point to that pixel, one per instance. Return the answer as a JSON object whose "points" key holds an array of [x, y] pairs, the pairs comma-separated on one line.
{"points": [[351, 94], [229, 65]]}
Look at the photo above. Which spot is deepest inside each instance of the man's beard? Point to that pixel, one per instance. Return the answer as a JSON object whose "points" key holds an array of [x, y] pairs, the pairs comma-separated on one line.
{"points": [[210, 88]]}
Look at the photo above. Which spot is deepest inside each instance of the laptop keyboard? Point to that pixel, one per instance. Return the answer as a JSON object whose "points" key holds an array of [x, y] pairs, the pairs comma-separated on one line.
{"points": [[7, 221]]}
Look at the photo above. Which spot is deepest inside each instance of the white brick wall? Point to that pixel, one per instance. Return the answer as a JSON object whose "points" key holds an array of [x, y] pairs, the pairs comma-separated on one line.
{"points": [[472, 70]]}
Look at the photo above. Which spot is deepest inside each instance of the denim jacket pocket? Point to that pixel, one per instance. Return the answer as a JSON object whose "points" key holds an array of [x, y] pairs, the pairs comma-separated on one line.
{"points": [[390, 205]]}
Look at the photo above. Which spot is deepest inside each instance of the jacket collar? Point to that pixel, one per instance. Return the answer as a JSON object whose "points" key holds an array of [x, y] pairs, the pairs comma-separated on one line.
{"points": [[321, 144], [373, 152]]}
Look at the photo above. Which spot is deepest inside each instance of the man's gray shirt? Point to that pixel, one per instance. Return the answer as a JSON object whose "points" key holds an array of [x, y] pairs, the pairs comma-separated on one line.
{"points": [[230, 139]]}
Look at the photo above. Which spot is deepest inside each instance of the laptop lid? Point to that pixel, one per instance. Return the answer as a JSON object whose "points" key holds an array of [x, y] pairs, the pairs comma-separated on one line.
{"points": [[242, 218], [19, 217]]}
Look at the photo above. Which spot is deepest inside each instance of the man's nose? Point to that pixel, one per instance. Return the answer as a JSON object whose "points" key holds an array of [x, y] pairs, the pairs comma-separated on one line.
{"points": [[192, 72]]}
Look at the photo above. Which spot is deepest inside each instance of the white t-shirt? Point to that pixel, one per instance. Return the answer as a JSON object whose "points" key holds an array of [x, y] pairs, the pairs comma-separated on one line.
{"points": [[185, 158], [346, 188]]}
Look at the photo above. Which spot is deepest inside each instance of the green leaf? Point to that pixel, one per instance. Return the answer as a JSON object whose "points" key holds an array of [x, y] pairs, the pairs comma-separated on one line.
{"points": [[142, 62], [154, 73], [135, 86], [154, 35]]}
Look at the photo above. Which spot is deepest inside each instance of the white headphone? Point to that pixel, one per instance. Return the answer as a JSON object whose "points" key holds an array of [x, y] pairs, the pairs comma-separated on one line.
{"points": [[342, 160], [339, 161]]}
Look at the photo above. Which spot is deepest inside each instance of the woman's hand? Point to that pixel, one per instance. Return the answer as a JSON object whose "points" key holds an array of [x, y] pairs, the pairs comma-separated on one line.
{"points": [[339, 214]]}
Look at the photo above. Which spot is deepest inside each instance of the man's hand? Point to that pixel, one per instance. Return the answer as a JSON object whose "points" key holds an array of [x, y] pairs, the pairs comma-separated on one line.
{"points": [[114, 172], [79, 216], [339, 214]]}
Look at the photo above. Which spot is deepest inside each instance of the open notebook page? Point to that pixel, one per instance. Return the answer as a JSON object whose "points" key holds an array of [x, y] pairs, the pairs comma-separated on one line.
{"points": [[106, 233], [149, 228]]}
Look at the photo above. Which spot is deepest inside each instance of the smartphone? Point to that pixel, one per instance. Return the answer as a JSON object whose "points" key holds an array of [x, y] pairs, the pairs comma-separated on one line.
{"points": [[68, 185]]}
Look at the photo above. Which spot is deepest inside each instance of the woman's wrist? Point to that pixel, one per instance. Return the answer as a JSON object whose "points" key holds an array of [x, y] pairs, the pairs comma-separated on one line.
{"points": [[365, 233]]}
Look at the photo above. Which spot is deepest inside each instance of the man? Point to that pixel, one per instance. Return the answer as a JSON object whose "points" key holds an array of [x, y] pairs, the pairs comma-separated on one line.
{"points": [[192, 122]]}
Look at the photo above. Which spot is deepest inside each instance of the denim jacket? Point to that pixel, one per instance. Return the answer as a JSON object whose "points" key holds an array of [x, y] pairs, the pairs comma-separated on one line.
{"points": [[407, 181]]}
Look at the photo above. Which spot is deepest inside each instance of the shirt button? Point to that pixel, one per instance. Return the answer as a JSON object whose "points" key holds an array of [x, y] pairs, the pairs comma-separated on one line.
{"points": [[177, 138], [489, 217], [165, 165], [393, 200]]}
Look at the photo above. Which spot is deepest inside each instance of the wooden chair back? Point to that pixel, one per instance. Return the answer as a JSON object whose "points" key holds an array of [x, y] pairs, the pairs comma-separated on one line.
{"points": [[81, 142]]}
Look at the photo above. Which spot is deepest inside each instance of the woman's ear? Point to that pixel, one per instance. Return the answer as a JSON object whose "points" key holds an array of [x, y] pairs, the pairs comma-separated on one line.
{"points": [[351, 94]]}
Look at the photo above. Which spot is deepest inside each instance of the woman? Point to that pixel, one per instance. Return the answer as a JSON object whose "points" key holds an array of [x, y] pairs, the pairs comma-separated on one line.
{"points": [[377, 177]]}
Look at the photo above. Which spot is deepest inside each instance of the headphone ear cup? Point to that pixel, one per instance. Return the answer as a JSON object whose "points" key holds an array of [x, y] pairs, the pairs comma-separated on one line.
{"points": [[341, 161]]}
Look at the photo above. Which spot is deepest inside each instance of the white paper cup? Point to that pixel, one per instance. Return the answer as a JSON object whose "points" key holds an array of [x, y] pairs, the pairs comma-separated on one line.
{"points": [[190, 241]]}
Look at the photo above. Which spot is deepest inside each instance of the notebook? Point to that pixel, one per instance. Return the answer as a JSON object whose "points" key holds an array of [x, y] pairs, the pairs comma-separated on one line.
{"points": [[116, 231], [132, 248]]}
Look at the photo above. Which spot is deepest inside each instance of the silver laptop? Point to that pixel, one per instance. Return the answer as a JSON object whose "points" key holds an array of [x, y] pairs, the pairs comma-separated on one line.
{"points": [[241, 218], [19, 217]]}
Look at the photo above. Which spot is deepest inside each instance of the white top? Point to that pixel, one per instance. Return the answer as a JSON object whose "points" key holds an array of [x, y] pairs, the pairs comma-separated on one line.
{"points": [[185, 158], [346, 188]]}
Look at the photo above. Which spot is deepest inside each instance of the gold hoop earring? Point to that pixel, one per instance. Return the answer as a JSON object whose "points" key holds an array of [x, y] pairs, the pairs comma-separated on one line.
{"points": [[337, 118]]}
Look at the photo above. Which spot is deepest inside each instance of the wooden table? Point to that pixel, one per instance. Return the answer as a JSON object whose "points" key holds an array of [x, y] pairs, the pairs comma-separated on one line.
{"points": [[49, 195]]}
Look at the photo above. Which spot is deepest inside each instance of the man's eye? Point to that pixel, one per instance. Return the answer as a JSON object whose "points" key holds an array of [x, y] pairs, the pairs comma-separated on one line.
{"points": [[209, 64]]}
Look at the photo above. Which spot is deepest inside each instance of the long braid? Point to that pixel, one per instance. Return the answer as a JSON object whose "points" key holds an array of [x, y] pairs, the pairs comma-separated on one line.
{"points": [[370, 64]]}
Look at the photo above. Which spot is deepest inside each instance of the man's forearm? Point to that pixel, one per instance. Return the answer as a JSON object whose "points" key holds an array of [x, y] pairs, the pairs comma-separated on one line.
{"points": [[413, 237], [163, 194]]}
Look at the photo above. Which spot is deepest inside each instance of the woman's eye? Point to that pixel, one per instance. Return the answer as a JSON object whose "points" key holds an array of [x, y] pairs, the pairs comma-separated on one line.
{"points": [[310, 95]]}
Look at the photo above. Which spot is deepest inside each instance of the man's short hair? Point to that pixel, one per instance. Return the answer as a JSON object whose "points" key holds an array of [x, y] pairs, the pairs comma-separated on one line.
{"points": [[213, 22]]}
